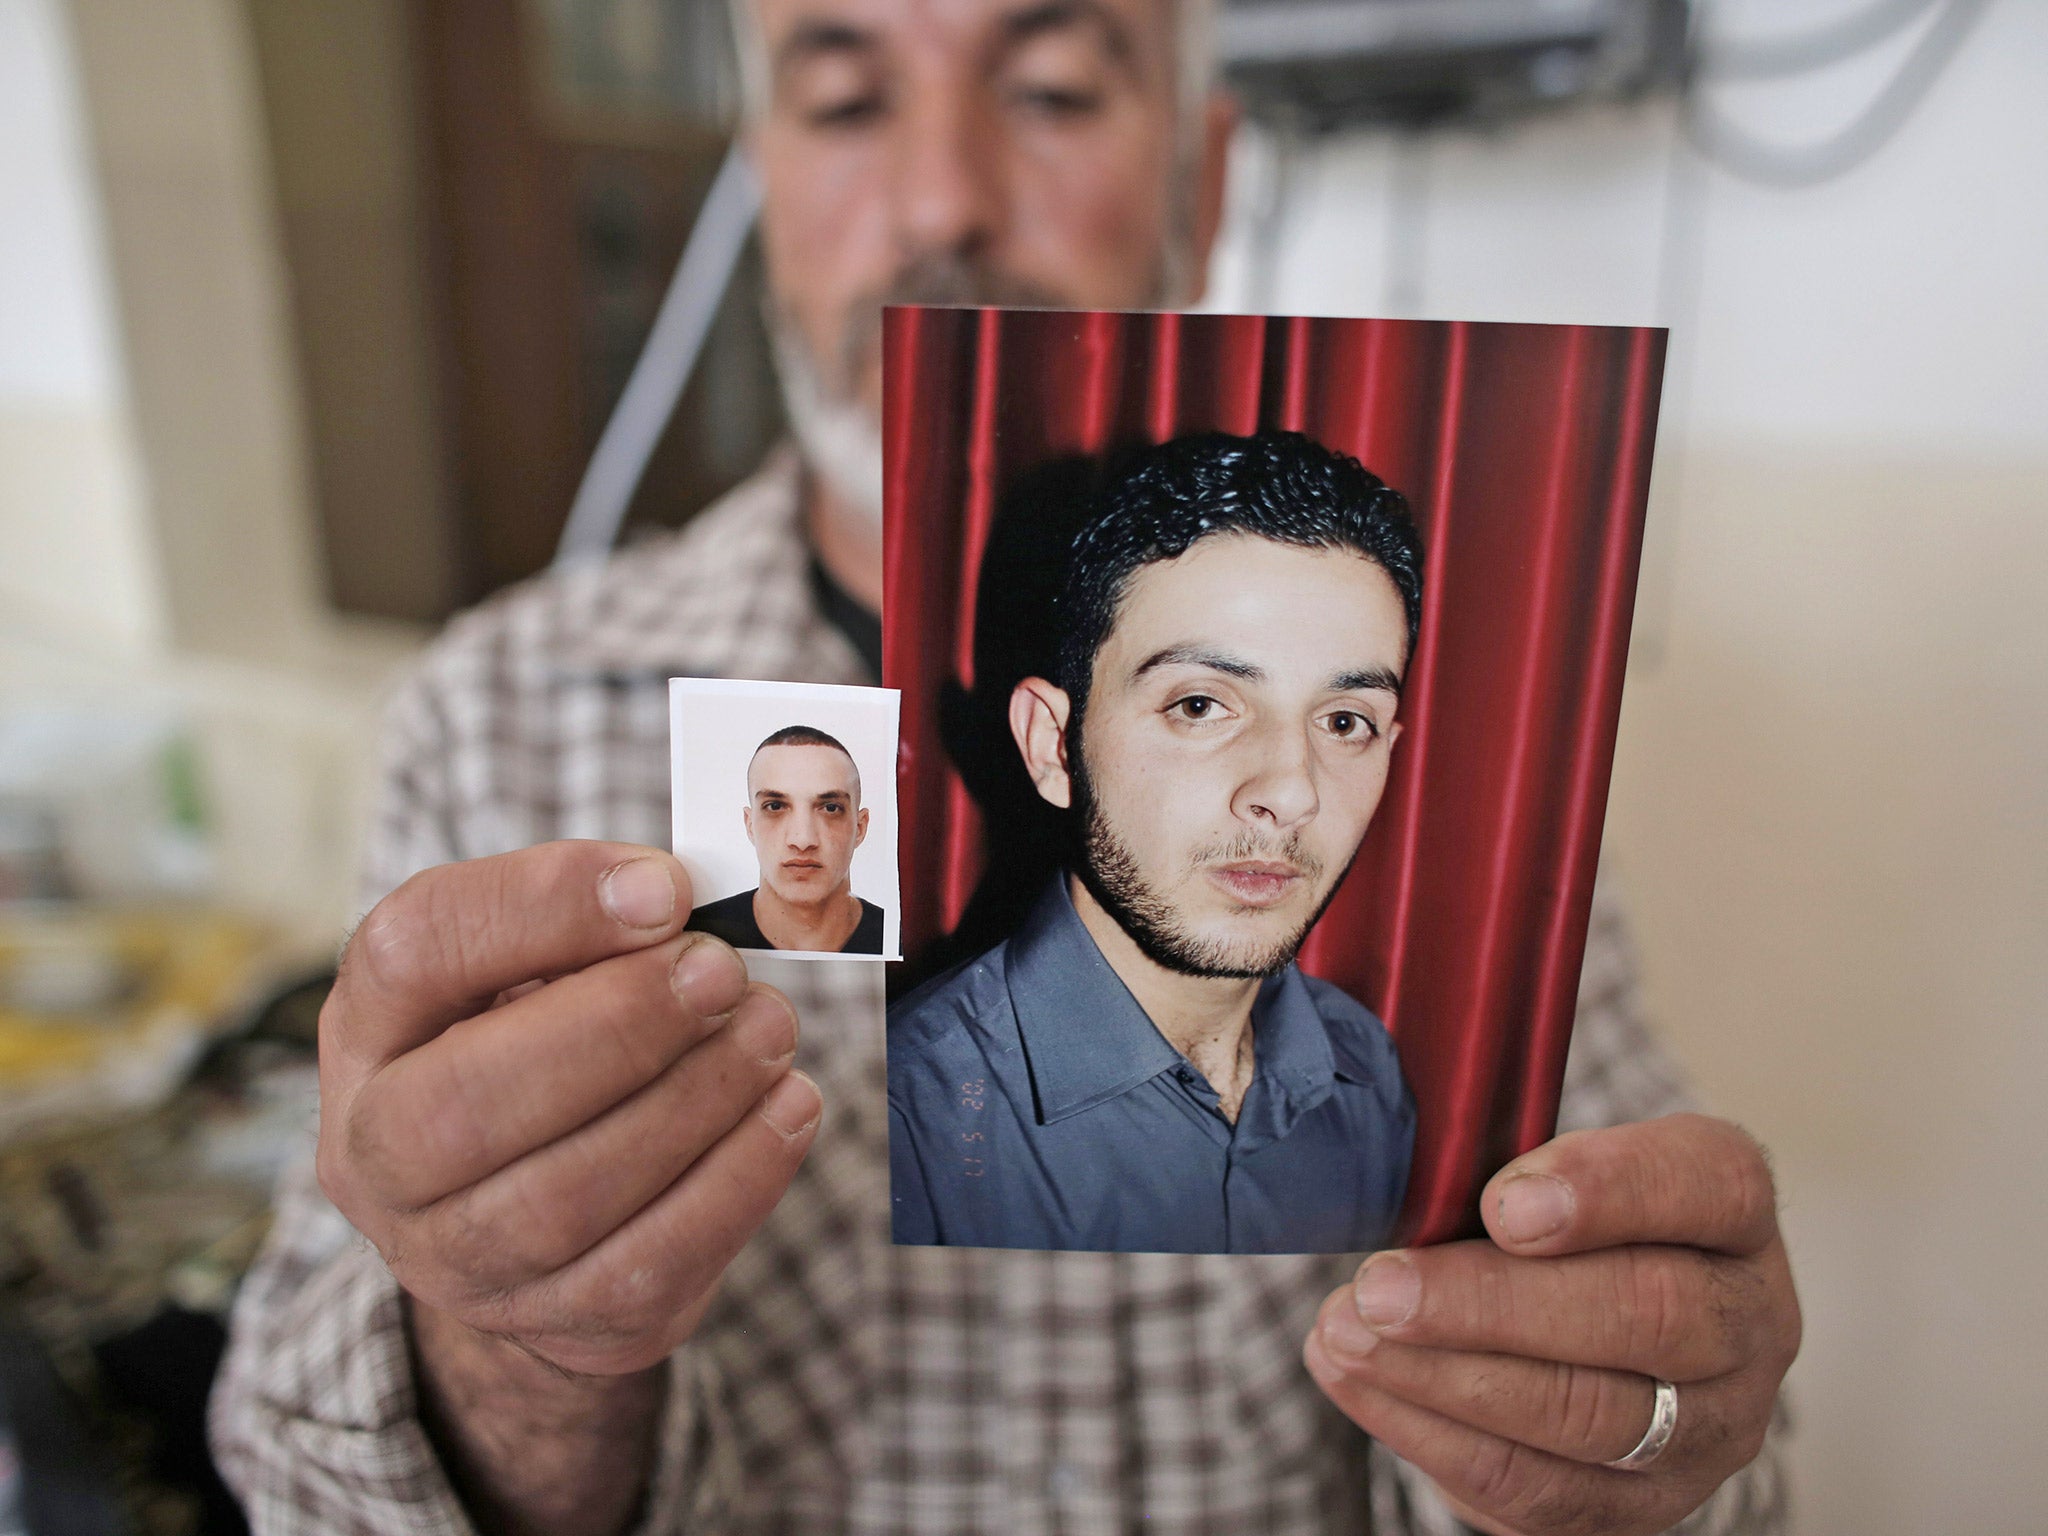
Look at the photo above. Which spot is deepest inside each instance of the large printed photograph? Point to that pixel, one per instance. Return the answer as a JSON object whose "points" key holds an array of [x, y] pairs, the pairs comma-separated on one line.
{"points": [[1259, 683]]}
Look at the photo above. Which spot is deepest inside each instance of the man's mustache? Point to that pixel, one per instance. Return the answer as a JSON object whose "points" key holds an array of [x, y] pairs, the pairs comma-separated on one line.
{"points": [[1249, 846]]}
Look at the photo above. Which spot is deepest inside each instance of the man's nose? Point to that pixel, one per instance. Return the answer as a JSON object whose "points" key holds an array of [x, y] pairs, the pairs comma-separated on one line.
{"points": [[802, 831], [947, 194], [1278, 791]]}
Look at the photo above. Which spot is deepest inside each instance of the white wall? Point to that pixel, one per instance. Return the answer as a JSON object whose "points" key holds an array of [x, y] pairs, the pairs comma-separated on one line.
{"points": [[143, 324], [1833, 777], [74, 550]]}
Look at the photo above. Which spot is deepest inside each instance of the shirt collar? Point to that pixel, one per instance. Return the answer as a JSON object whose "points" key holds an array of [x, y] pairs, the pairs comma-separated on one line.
{"points": [[1294, 1067], [1087, 1040]]}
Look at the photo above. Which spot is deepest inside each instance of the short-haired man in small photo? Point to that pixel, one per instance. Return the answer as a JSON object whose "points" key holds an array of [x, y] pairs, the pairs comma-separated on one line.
{"points": [[804, 817], [1155, 1074]]}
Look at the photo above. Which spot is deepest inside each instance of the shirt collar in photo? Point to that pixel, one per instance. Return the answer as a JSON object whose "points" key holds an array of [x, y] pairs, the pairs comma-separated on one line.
{"points": [[1087, 1041]]}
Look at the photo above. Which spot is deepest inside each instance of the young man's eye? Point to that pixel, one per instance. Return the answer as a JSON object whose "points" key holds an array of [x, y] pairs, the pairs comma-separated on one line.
{"points": [[1349, 725], [1196, 707]]}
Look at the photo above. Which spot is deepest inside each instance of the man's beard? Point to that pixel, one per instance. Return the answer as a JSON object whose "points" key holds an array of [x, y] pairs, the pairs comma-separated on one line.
{"points": [[840, 437], [1110, 871]]}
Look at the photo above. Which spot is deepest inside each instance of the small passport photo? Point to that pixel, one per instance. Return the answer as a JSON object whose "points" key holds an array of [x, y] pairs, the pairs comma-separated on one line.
{"points": [[1259, 679], [784, 805]]}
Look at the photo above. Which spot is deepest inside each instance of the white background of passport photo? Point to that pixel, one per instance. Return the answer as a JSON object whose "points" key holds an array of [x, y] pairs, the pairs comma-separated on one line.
{"points": [[715, 726]]}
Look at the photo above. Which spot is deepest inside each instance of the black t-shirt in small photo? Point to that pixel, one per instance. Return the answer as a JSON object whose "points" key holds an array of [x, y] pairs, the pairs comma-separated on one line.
{"points": [[733, 921]]}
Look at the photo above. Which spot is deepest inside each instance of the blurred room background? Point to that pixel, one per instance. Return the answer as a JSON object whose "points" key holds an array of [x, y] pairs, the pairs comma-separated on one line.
{"points": [[311, 312]]}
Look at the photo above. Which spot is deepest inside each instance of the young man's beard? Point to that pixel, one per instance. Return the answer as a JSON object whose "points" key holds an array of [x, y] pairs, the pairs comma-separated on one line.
{"points": [[1110, 872]]}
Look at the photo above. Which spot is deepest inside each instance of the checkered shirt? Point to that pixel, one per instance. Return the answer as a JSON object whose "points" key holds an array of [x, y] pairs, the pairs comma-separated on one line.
{"points": [[838, 1383]]}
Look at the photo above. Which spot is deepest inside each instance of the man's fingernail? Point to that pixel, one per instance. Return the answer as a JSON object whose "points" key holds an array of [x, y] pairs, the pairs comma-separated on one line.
{"points": [[1387, 1291], [640, 893], [1346, 1336], [765, 1029], [792, 1106], [709, 978], [1533, 1206]]}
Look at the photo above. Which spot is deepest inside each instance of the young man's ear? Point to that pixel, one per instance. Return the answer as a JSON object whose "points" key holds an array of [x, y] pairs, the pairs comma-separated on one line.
{"points": [[860, 827], [747, 820], [1038, 722]]}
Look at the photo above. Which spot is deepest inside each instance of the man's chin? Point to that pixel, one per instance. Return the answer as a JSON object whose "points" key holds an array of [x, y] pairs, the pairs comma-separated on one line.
{"points": [[1235, 952]]}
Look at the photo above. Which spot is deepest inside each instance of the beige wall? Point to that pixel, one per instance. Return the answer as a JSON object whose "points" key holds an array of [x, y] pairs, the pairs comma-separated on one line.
{"points": [[1828, 808], [156, 542], [74, 548], [74, 556]]}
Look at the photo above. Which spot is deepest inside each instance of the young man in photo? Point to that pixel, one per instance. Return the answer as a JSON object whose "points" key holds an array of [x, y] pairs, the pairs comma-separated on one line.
{"points": [[1155, 1074], [804, 817]]}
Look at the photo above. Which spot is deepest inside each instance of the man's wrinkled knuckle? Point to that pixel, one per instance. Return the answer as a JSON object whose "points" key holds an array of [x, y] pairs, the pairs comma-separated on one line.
{"points": [[527, 1233], [1579, 1404], [466, 932], [1531, 1492], [1496, 1474], [1479, 1300], [617, 1020], [1490, 1389], [1662, 1308]]}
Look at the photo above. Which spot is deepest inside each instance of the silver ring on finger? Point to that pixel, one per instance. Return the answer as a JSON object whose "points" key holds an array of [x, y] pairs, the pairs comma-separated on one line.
{"points": [[1663, 1425]]}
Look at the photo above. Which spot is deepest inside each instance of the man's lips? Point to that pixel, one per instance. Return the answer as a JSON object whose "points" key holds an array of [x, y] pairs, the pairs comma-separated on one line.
{"points": [[801, 866], [1257, 882]]}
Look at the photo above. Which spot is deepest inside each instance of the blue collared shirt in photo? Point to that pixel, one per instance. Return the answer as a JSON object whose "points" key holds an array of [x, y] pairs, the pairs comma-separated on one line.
{"points": [[1033, 1104]]}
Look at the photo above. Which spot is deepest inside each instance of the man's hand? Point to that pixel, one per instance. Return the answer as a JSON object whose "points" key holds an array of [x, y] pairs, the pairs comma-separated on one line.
{"points": [[1509, 1370], [558, 1117]]}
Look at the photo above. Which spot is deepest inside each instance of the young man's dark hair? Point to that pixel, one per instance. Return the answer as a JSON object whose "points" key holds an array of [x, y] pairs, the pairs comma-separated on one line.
{"points": [[1276, 485], [802, 736]]}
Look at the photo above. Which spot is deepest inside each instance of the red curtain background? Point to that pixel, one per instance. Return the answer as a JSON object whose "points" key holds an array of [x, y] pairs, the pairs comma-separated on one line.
{"points": [[1524, 452]]}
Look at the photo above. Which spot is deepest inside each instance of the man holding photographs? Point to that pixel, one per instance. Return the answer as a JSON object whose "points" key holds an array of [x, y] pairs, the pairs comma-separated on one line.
{"points": [[640, 1287], [1151, 1070], [804, 817]]}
